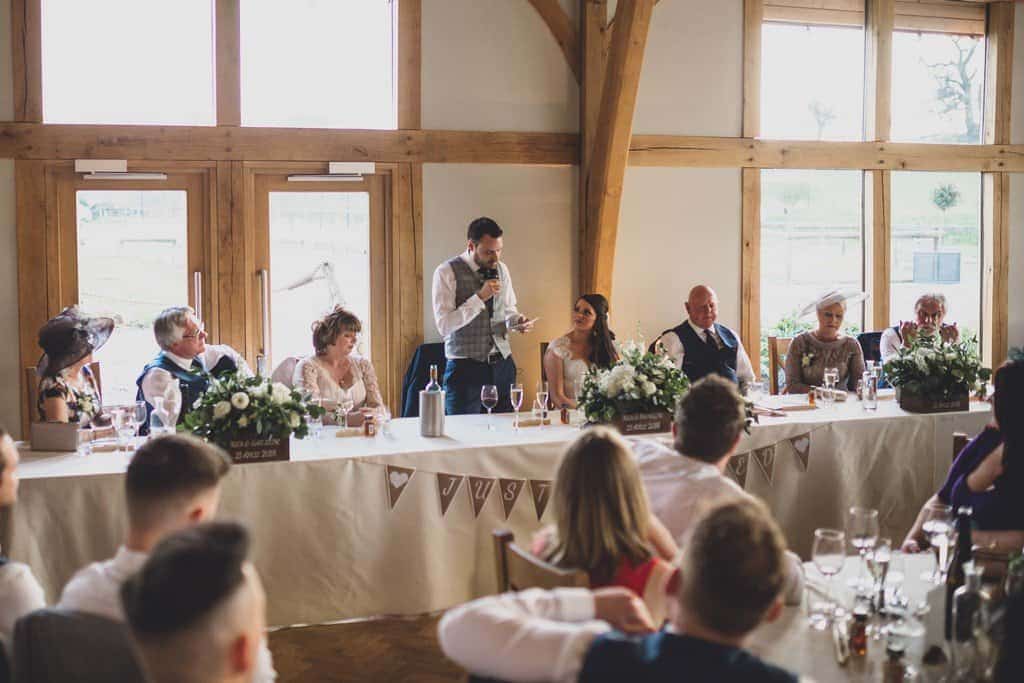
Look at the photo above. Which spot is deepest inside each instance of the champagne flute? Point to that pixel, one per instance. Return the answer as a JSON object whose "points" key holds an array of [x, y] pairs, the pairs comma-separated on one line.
{"points": [[139, 415], [862, 530], [878, 559], [489, 397], [542, 398], [516, 394], [828, 554], [938, 527]]}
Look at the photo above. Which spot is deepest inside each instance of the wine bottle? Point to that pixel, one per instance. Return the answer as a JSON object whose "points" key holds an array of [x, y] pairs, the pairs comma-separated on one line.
{"points": [[432, 385], [962, 553]]}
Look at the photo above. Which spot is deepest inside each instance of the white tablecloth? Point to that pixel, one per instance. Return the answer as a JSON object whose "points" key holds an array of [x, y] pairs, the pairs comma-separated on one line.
{"points": [[329, 547]]}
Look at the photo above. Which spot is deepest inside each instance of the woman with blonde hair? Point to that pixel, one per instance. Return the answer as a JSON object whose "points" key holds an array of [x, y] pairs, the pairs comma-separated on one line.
{"points": [[336, 374], [603, 522]]}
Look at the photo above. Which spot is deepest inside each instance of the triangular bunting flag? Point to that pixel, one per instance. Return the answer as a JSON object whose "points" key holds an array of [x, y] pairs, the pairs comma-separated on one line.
{"points": [[397, 479], [765, 459], [738, 468], [510, 490], [802, 447], [540, 489], [479, 491], [447, 486]]}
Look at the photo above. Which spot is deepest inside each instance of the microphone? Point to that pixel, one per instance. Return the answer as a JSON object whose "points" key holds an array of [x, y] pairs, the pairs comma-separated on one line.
{"points": [[489, 274]]}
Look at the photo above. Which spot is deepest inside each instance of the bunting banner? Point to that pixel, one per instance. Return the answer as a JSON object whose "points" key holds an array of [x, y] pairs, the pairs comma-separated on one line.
{"points": [[510, 490], [479, 491], [765, 459], [738, 468], [397, 479], [802, 448], [447, 486], [540, 489]]}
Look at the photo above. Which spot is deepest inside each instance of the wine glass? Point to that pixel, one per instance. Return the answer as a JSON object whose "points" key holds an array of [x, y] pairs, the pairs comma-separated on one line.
{"points": [[121, 423], [516, 394], [828, 554], [862, 530], [489, 397], [755, 392], [878, 559], [139, 415], [938, 527]]}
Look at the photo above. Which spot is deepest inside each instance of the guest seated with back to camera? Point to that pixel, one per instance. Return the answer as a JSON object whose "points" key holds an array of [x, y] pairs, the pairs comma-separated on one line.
{"points": [[701, 346], [185, 358], [683, 481], [929, 314], [987, 476], [604, 525], [810, 353], [588, 344], [336, 375], [67, 389], [732, 572]]}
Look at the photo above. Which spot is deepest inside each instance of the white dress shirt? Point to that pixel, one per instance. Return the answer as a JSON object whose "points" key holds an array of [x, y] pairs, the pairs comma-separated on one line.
{"points": [[674, 347], [681, 488], [533, 635], [889, 344], [20, 593], [156, 380], [97, 589], [447, 316]]}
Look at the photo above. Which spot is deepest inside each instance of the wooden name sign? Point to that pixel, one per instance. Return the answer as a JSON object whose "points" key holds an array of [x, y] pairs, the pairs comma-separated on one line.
{"points": [[246, 448], [642, 423], [919, 404]]}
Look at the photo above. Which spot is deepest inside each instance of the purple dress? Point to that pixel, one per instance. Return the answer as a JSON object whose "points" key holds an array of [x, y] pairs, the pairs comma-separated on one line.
{"points": [[998, 509]]}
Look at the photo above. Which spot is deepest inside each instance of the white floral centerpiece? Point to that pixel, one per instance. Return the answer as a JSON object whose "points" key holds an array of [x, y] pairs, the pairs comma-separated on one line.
{"points": [[637, 394], [932, 375], [238, 410]]}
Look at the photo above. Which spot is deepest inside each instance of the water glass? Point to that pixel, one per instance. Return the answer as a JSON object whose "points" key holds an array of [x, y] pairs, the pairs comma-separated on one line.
{"points": [[828, 554], [869, 391], [938, 527], [384, 419], [540, 409], [862, 530], [316, 424], [755, 392]]}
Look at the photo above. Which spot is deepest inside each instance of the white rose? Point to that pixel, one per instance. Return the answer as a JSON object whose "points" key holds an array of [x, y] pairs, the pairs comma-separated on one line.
{"points": [[650, 389], [243, 421], [240, 400], [259, 390], [221, 410], [279, 393], [294, 420]]}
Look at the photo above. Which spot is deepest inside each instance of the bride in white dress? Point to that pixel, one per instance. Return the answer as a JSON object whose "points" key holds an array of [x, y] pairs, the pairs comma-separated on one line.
{"points": [[588, 343], [336, 375]]}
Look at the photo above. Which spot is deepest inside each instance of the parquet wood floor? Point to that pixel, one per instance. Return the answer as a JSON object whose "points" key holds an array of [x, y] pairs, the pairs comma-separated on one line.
{"points": [[390, 649]]}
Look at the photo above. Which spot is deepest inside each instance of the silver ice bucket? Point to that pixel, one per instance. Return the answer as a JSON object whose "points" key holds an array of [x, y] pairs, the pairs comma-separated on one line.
{"points": [[432, 413]]}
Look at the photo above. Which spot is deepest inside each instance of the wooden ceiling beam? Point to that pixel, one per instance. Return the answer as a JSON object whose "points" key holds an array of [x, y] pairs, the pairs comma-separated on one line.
{"points": [[562, 29], [612, 140]]}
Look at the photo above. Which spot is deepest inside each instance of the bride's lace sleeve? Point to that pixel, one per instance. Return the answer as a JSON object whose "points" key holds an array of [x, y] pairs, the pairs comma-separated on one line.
{"points": [[560, 347], [305, 378], [373, 398]]}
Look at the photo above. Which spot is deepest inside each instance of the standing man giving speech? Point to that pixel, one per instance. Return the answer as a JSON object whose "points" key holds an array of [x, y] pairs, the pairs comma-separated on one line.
{"points": [[474, 308]]}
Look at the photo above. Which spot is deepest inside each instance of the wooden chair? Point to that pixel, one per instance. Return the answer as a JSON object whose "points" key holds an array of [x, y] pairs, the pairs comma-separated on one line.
{"points": [[778, 347], [518, 569], [959, 443], [32, 390]]}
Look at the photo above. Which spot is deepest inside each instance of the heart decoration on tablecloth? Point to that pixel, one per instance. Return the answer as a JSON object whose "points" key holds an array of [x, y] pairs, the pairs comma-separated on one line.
{"points": [[802, 447], [397, 480]]}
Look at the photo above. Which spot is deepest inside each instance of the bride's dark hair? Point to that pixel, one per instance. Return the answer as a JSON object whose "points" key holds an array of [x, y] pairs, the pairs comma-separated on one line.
{"points": [[603, 353]]}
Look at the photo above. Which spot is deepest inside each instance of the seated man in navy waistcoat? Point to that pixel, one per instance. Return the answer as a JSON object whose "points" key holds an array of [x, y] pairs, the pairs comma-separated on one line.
{"points": [[700, 346], [185, 358], [732, 574]]}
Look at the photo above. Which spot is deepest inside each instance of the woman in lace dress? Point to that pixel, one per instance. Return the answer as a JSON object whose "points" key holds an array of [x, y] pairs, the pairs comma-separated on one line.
{"points": [[825, 347], [334, 373], [67, 389], [588, 343]]}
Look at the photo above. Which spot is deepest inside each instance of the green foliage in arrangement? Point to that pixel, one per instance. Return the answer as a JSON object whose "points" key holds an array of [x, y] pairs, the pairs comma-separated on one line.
{"points": [[640, 382], [933, 369]]}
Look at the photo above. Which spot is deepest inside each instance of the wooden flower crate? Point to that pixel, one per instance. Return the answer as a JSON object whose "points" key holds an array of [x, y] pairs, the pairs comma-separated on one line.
{"points": [[632, 424]]}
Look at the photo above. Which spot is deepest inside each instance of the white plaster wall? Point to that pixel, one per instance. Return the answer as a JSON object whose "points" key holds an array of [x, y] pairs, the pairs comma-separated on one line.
{"points": [[535, 207], [10, 405], [494, 65], [679, 227], [692, 78]]}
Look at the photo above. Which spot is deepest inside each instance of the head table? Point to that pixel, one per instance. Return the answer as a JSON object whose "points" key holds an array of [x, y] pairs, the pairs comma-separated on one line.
{"points": [[353, 527]]}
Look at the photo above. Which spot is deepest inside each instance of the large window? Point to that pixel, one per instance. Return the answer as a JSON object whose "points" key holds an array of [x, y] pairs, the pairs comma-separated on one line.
{"points": [[318, 64], [128, 61], [812, 82], [811, 242], [936, 244], [937, 87]]}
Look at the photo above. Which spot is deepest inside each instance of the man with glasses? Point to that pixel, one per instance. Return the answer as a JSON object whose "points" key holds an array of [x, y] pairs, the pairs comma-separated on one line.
{"points": [[929, 312], [185, 357]]}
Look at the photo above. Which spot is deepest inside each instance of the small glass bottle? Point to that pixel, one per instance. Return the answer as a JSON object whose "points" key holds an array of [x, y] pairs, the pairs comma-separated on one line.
{"points": [[859, 631], [810, 397], [564, 414], [432, 385], [895, 668], [370, 425], [970, 620]]}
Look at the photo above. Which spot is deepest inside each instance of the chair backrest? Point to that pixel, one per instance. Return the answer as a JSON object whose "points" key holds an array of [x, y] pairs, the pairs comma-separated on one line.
{"points": [[778, 347], [53, 645], [871, 345], [518, 569], [32, 389], [959, 443], [417, 374], [543, 370], [285, 370]]}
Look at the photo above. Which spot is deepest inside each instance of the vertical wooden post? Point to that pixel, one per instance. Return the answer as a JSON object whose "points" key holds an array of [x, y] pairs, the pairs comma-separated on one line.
{"points": [[750, 258], [27, 52], [593, 60], [228, 66]]}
